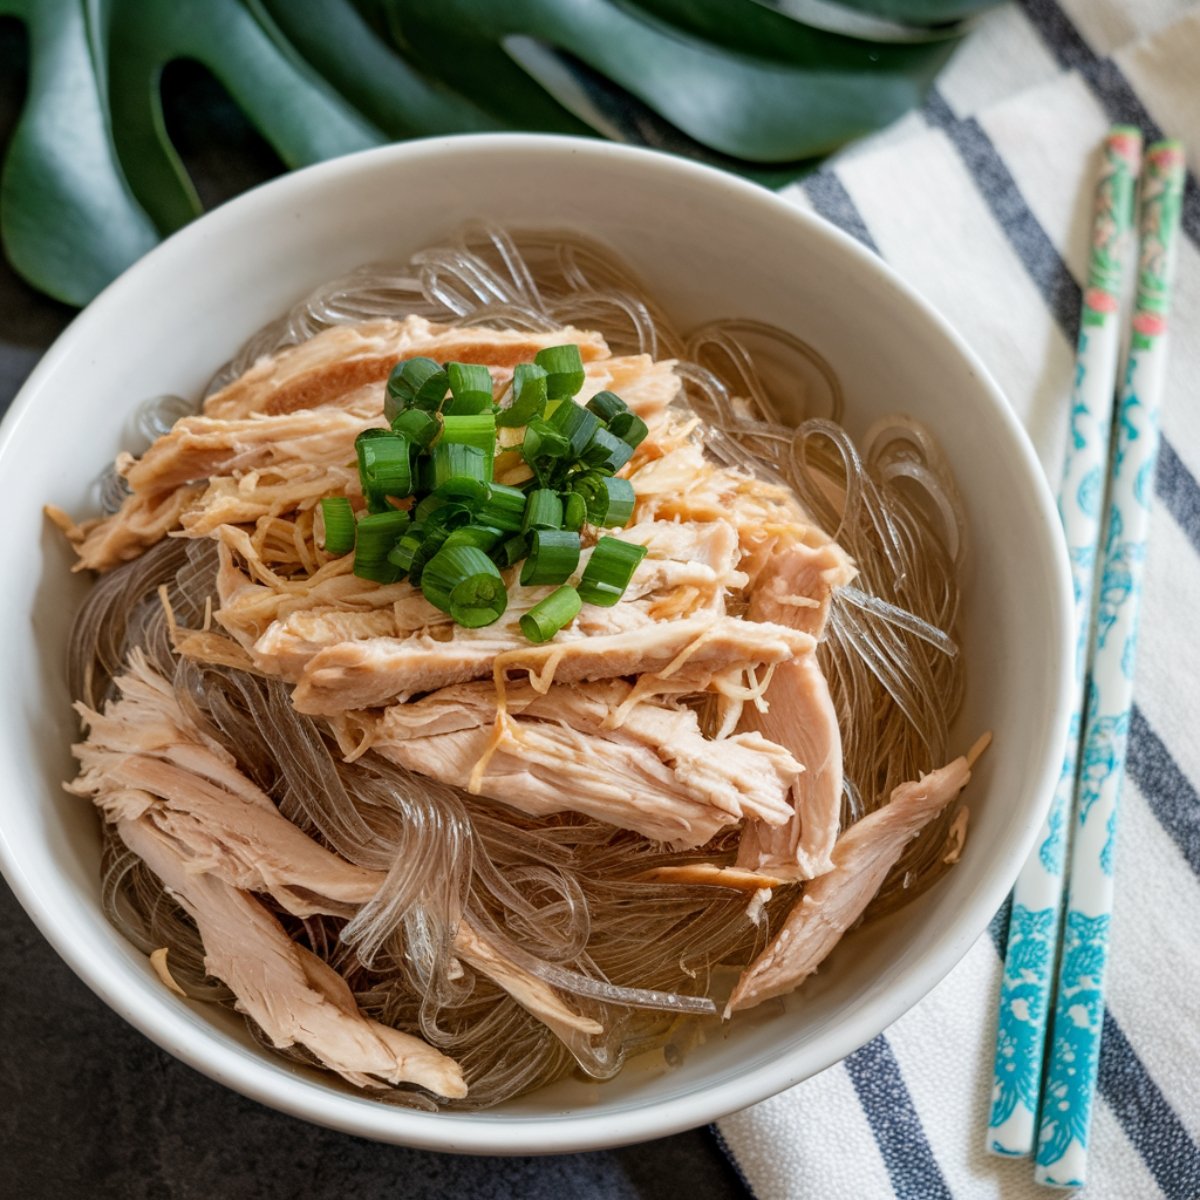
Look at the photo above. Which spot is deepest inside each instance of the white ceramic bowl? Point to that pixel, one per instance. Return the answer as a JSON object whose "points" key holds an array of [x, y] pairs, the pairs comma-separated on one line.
{"points": [[710, 246]]}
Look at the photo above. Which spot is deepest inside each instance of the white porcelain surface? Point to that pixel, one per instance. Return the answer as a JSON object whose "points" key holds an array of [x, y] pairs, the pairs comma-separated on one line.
{"points": [[710, 246]]}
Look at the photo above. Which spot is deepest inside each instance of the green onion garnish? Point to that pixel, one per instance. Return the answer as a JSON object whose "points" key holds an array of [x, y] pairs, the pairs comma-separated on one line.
{"points": [[548, 616], [337, 518], [464, 582], [553, 557], [606, 405], [630, 428], [436, 515], [478, 430], [609, 571], [564, 370], [470, 389], [420, 427], [482, 537], [503, 509], [511, 551], [606, 451], [461, 472], [377, 534], [528, 396], [543, 510], [384, 468], [609, 501], [574, 511], [576, 424], [378, 572], [415, 383], [543, 443]]}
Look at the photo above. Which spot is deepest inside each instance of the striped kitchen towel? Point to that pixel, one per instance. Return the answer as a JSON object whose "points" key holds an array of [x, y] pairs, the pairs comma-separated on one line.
{"points": [[981, 201]]}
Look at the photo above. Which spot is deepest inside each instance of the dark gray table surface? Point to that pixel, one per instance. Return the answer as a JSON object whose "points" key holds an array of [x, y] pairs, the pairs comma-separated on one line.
{"points": [[91, 1108]]}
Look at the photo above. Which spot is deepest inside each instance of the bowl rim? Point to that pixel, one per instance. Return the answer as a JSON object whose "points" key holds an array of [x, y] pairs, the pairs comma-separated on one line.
{"points": [[172, 1026]]}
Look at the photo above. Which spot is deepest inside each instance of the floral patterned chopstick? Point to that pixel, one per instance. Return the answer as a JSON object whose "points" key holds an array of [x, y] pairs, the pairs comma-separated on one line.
{"points": [[1070, 1085], [1025, 997]]}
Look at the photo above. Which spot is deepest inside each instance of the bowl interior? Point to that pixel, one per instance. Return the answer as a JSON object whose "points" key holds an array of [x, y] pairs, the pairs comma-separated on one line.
{"points": [[709, 247]]}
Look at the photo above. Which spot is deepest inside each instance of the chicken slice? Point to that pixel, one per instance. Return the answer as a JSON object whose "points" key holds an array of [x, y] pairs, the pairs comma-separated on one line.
{"points": [[143, 758], [105, 542], [292, 995], [323, 369], [741, 775], [831, 904], [687, 571], [795, 589], [379, 671]]}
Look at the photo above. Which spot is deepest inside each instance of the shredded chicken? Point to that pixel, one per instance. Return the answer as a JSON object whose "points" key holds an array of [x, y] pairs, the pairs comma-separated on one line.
{"points": [[794, 588], [291, 994], [831, 904]]}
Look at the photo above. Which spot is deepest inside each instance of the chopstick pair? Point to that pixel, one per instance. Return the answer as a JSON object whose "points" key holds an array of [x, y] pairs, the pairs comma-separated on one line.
{"points": [[1086, 799]]}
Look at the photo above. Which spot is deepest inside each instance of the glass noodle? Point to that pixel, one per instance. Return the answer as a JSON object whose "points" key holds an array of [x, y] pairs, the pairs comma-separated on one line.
{"points": [[560, 894]]}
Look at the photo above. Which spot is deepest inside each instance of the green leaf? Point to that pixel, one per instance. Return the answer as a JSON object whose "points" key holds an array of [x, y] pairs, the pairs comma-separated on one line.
{"points": [[69, 221], [302, 117], [339, 44], [782, 91], [920, 12], [91, 178]]}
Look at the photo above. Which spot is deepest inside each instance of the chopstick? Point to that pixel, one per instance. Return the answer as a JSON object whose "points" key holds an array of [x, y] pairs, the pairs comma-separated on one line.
{"points": [[1025, 996], [1070, 1083]]}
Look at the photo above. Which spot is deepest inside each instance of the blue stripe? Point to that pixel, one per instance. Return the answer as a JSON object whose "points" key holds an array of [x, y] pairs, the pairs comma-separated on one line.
{"points": [[1000, 192], [1168, 791], [1177, 488], [830, 199], [893, 1118], [1148, 1120], [1118, 99]]}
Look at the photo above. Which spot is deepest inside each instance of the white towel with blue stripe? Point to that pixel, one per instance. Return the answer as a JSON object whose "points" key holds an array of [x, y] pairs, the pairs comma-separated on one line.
{"points": [[982, 202]]}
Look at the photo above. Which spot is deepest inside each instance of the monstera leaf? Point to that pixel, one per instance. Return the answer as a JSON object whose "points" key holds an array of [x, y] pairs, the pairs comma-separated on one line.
{"points": [[91, 179]]}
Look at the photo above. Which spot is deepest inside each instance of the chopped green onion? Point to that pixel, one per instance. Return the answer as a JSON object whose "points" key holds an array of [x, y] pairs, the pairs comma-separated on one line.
{"points": [[528, 396], [405, 551], [503, 509], [461, 472], [478, 430], [337, 520], [470, 388], [606, 452], [464, 582], [553, 557], [609, 571], [630, 428], [574, 511], [377, 534], [420, 427], [384, 468], [564, 370], [543, 443], [543, 510], [415, 383], [378, 572], [606, 405], [548, 616], [510, 552], [576, 424], [443, 514], [482, 537], [609, 501]]}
